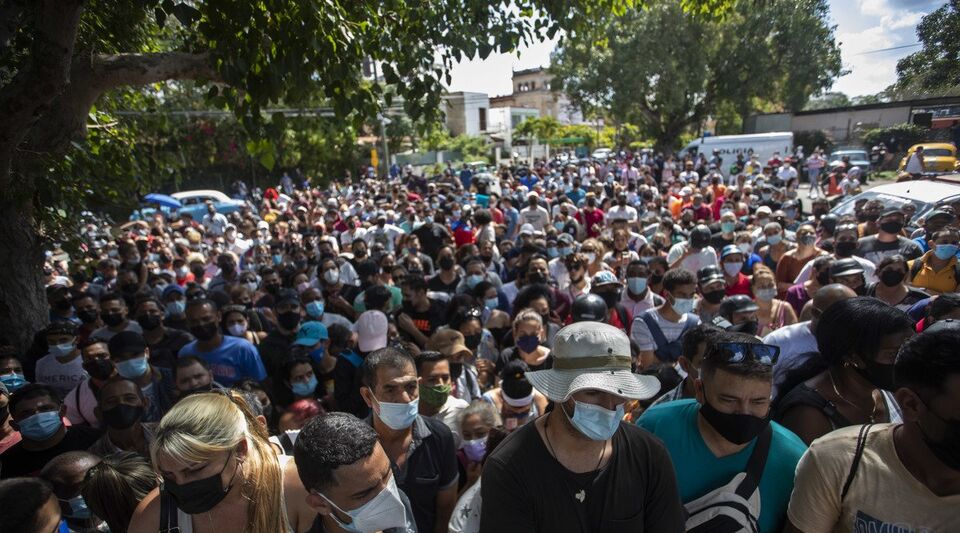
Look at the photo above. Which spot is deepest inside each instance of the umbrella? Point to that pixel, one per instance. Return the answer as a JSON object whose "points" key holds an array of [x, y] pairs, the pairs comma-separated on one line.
{"points": [[163, 199]]}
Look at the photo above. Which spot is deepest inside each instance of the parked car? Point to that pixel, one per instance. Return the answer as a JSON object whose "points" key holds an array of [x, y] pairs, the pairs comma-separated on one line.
{"points": [[857, 157], [601, 154], [937, 157], [193, 202], [924, 194]]}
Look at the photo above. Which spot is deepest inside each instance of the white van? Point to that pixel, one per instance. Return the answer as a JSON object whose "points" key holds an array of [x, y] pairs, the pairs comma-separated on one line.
{"points": [[762, 144]]}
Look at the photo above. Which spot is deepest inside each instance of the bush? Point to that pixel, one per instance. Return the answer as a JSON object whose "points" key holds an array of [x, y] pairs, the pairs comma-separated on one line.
{"points": [[898, 138]]}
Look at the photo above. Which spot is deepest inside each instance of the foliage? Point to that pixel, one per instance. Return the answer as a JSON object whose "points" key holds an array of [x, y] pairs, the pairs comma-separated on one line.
{"points": [[827, 100], [811, 139], [898, 138], [935, 69], [781, 51]]}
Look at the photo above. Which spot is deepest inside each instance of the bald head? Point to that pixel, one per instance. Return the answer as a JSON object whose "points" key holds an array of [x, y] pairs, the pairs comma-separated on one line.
{"points": [[827, 296], [67, 471]]}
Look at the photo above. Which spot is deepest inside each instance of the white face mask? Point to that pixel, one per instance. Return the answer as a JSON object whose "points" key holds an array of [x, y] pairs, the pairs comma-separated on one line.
{"points": [[384, 511], [237, 330], [331, 276]]}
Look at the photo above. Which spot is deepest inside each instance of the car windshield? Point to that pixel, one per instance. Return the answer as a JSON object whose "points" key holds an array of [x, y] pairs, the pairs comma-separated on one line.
{"points": [[854, 156], [937, 152], [889, 200]]}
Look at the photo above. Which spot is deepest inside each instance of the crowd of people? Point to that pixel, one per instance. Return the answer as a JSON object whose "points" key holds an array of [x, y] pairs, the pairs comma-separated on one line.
{"points": [[621, 345]]}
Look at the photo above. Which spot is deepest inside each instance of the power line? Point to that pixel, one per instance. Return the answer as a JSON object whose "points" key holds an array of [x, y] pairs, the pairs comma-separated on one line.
{"points": [[888, 49]]}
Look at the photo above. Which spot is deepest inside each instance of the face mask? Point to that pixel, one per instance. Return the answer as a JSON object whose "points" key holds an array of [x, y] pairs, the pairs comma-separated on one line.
{"points": [[133, 368], [808, 240], [475, 449], [879, 374], [435, 396], [317, 354], [331, 276], [591, 257], [204, 332], [610, 298], [732, 269], [41, 426], [536, 277], [790, 213], [237, 330], [473, 280], [636, 285], [385, 511], [472, 341], [728, 227], [13, 381], [552, 252], [745, 248], [100, 369], [251, 286], [182, 272], [735, 428], [655, 278], [87, 316], [528, 343], [314, 309], [774, 239], [946, 251], [78, 508], [714, 297], [456, 370], [149, 322], [892, 278], [491, 303], [765, 294], [565, 251], [891, 227], [398, 416], [62, 350], [277, 259], [301, 287], [289, 320], [749, 327], [683, 305], [112, 319], [196, 497], [122, 416], [844, 248], [446, 262], [304, 388], [947, 449], [765, 196], [595, 422], [175, 308]]}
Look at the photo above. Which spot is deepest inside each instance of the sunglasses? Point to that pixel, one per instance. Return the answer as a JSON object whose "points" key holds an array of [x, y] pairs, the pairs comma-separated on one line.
{"points": [[741, 352]]}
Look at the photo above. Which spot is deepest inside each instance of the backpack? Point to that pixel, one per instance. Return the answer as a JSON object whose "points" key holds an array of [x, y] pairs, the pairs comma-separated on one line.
{"points": [[734, 507], [666, 351]]}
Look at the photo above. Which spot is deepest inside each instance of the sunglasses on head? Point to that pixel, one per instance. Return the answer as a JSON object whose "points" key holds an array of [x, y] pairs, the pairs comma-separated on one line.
{"points": [[741, 352]]}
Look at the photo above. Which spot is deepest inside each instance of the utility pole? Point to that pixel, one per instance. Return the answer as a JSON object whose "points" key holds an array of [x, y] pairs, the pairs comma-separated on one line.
{"points": [[383, 126]]}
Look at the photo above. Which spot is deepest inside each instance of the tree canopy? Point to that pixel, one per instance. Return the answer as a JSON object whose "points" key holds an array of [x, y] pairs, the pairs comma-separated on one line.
{"points": [[935, 69]]}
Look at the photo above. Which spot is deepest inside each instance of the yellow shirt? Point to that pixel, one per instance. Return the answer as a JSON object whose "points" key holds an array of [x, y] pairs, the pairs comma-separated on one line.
{"points": [[934, 281], [884, 495]]}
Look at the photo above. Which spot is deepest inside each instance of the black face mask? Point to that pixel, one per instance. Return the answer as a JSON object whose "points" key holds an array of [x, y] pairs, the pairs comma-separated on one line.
{"points": [[879, 374], [271, 288], [112, 319], [656, 279], [456, 370], [4, 411], [130, 288], [892, 227], [536, 277], [947, 449], [714, 297], [735, 428], [446, 262], [63, 306], [100, 369], [472, 341], [749, 327], [87, 316], [289, 320], [149, 322], [122, 416], [205, 332], [844, 248], [892, 278], [611, 298], [199, 496], [198, 272], [823, 278], [228, 268]]}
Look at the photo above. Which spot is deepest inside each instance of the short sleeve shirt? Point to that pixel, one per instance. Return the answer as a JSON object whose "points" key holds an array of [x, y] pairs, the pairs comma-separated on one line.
{"points": [[234, 360]]}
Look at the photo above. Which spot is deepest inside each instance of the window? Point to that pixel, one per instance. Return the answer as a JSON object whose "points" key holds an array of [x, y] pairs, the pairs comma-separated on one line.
{"points": [[533, 85], [483, 118]]}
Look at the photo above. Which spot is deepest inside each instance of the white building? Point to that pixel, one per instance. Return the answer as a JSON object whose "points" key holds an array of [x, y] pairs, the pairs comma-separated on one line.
{"points": [[466, 113]]}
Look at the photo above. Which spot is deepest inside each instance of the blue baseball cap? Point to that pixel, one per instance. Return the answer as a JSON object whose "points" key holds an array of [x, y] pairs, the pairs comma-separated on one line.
{"points": [[311, 333]]}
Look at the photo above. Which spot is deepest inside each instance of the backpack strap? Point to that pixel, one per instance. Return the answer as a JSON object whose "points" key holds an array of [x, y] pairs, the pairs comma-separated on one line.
{"points": [[168, 513], [857, 455], [756, 463], [622, 315], [915, 269], [655, 331]]}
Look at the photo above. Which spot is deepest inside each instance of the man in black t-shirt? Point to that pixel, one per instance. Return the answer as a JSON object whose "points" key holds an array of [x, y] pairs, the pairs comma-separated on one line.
{"points": [[604, 475], [419, 316], [38, 413], [888, 241]]}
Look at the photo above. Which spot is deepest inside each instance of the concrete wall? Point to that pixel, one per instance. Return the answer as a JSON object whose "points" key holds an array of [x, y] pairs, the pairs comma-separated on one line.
{"points": [[842, 125], [463, 112]]}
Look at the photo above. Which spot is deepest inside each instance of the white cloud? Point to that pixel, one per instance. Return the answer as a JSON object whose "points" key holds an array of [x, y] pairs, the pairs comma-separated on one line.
{"points": [[493, 75]]}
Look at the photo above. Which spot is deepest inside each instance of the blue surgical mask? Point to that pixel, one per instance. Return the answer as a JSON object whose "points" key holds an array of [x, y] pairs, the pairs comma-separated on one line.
{"points": [[133, 368], [683, 305], [78, 508], [277, 259], [473, 280], [728, 227], [317, 354], [946, 251], [175, 308], [305, 389], [315, 309], [13, 381], [491, 303], [775, 239], [637, 285], [41, 426], [565, 251], [552, 252], [398, 416], [61, 350], [595, 422]]}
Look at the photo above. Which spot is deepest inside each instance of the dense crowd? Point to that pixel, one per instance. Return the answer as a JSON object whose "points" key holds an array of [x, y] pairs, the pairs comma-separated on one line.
{"points": [[635, 344]]}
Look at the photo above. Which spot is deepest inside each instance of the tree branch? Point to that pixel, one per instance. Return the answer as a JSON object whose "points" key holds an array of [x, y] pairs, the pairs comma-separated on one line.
{"points": [[10, 12]]}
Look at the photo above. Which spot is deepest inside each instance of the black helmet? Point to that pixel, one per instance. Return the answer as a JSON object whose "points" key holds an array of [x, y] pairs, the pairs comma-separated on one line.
{"points": [[829, 222], [700, 237], [589, 307], [738, 303]]}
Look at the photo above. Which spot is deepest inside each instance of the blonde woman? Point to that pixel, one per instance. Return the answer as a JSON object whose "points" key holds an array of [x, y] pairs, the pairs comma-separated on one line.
{"points": [[773, 313], [594, 250], [220, 474]]}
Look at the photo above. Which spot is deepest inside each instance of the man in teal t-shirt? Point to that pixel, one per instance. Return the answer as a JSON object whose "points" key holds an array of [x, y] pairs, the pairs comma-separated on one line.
{"points": [[711, 438]]}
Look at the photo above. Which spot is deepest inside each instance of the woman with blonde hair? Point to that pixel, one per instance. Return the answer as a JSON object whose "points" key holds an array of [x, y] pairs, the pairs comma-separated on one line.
{"points": [[594, 251], [220, 473], [774, 313]]}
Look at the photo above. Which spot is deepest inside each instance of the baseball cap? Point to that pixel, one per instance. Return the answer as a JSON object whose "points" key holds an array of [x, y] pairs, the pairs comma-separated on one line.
{"points": [[371, 329], [311, 333], [170, 289], [845, 267], [61, 327], [730, 249], [565, 238], [764, 210], [738, 303], [709, 273], [604, 277], [527, 229]]}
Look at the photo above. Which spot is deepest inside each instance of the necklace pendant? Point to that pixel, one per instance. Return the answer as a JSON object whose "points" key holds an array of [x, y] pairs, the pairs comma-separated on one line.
{"points": [[581, 496]]}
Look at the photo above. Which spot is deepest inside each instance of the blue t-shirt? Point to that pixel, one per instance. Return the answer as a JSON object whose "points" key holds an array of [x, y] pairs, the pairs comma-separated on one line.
{"points": [[576, 195], [234, 360], [699, 471]]}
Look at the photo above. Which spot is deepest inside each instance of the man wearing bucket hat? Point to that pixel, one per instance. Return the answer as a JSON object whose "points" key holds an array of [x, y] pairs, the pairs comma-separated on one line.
{"points": [[567, 470]]}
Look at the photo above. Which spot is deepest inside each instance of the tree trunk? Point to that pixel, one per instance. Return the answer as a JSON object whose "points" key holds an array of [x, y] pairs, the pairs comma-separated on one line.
{"points": [[23, 303]]}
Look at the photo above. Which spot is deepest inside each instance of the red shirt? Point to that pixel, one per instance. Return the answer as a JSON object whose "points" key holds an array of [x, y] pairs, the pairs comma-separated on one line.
{"points": [[741, 286], [591, 221]]}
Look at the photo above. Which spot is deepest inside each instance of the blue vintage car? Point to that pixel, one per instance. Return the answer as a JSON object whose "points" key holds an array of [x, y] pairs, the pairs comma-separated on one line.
{"points": [[193, 202]]}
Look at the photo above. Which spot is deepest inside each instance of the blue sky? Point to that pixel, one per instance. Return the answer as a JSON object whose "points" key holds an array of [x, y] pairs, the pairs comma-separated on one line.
{"points": [[862, 26]]}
